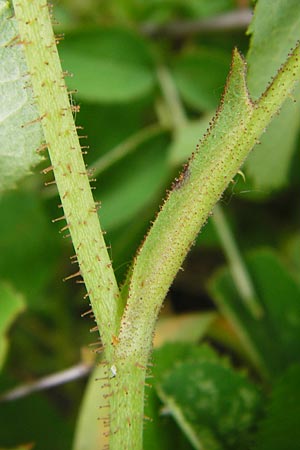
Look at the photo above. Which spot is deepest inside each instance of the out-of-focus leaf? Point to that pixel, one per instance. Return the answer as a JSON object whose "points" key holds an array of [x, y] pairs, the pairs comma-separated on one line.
{"points": [[90, 431], [186, 140], [109, 65], [26, 244], [183, 327], [203, 8], [273, 341], [11, 304], [280, 429], [34, 419], [213, 405], [97, 120], [155, 12], [18, 144], [274, 31], [293, 254], [129, 185], [201, 76], [161, 432]]}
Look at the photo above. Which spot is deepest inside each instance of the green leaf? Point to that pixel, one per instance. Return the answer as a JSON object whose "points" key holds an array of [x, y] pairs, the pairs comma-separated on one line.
{"points": [[280, 429], [203, 8], [27, 244], [274, 31], [186, 139], [201, 76], [293, 254], [210, 402], [18, 144], [130, 184], [161, 431], [89, 434], [272, 341], [109, 65], [34, 419], [183, 327], [11, 305]]}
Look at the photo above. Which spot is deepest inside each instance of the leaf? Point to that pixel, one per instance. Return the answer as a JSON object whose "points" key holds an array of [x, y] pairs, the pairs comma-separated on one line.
{"points": [[201, 76], [18, 144], [274, 31], [273, 342], [184, 327], [27, 244], [110, 65], [34, 419], [133, 182], [213, 405], [89, 434], [11, 305], [280, 429], [161, 431], [293, 254]]}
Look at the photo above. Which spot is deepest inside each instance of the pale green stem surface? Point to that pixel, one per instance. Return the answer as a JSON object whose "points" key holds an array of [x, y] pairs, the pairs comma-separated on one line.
{"points": [[237, 266], [69, 169]]}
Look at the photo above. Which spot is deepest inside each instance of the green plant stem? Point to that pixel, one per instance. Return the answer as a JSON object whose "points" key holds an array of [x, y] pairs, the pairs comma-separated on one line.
{"points": [[71, 178], [237, 266], [126, 147], [235, 130], [238, 269], [170, 93]]}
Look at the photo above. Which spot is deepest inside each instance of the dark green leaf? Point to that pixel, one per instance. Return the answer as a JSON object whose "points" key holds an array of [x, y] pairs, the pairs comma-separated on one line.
{"points": [[34, 420], [10, 306], [280, 429], [201, 76], [273, 341], [129, 185], [161, 432], [212, 404], [26, 244]]}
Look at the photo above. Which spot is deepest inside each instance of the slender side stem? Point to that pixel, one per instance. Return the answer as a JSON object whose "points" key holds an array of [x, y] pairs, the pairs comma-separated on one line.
{"points": [[71, 178], [125, 147], [171, 96], [64, 376], [238, 268]]}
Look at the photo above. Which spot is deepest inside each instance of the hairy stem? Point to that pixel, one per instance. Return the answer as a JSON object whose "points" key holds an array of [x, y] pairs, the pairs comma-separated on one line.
{"points": [[235, 130], [237, 266], [67, 163]]}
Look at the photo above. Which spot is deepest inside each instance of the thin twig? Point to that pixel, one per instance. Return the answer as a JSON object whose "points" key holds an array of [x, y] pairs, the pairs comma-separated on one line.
{"points": [[239, 271], [125, 147], [65, 376], [231, 21]]}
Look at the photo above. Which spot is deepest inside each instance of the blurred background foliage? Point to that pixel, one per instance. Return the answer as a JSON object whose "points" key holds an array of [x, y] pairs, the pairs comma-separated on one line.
{"points": [[149, 77]]}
